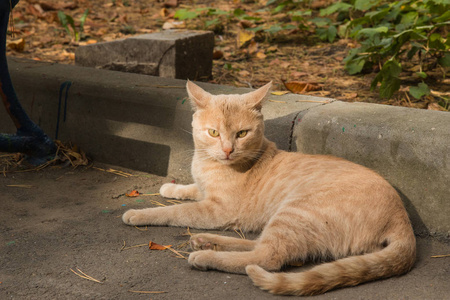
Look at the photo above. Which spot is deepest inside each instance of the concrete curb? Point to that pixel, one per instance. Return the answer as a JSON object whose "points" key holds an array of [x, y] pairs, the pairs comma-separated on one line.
{"points": [[143, 122]]}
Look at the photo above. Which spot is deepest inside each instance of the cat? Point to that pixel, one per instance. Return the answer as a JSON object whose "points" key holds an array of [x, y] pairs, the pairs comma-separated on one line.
{"points": [[307, 207]]}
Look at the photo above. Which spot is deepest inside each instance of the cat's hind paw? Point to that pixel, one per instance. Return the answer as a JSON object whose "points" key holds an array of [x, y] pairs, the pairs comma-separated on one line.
{"points": [[203, 241]]}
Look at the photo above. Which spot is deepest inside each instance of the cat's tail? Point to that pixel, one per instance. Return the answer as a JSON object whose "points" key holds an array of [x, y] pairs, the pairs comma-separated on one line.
{"points": [[395, 259]]}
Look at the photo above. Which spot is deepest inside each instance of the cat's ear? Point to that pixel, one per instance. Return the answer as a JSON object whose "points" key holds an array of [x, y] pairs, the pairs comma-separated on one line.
{"points": [[199, 97], [256, 98]]}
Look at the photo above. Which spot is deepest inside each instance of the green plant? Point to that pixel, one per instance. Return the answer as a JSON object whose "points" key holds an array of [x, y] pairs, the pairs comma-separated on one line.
{"points": [[392, 34], [66, 20]]}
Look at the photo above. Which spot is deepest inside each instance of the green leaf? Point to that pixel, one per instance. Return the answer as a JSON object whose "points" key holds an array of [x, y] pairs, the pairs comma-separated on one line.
{"points": [[436, 41], [83, 19], [278, 8], [419, 91], [212, 22], [445, 60], [355, 66], [421, 74], [184, 14], [365, 4], [442, 18], [320, 22], [274, 29], [238, 12], [337, 7], [391, 68], [63, 19], [370, 32], [389, 86], [331, 33]]}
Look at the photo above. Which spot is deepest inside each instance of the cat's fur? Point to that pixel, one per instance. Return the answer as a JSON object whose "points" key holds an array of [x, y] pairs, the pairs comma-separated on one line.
{"points": [[307, 206]]}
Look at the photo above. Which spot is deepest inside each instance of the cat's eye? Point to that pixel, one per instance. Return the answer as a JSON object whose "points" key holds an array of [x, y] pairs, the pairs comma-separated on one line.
{"points": [[213, 132], [242, 133]]}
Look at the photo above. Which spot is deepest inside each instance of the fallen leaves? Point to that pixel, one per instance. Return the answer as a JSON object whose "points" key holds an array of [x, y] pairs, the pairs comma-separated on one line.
{"points": [[279, 93], [133, 193], [244, 37], [17, 45], [155, 246], [298, 87]]}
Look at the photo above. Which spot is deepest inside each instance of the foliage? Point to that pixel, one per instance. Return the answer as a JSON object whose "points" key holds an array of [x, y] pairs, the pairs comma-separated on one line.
{"points": [[392, 36], [394, 33], [73, 31]]}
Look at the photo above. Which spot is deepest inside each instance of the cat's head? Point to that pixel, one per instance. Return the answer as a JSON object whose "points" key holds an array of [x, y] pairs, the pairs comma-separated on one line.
{"points": [[227, 128]]}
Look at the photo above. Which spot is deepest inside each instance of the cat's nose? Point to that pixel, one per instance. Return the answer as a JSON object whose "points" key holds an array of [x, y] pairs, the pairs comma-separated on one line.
{"points": [[228, 151]]}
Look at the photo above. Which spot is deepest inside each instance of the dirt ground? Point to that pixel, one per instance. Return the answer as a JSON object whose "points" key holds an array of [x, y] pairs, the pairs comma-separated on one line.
{"points": [[291, 55], [58, 219]]}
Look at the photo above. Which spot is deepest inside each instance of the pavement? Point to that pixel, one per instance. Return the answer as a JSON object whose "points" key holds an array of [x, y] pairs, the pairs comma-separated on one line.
{"points": [[70, 219]]}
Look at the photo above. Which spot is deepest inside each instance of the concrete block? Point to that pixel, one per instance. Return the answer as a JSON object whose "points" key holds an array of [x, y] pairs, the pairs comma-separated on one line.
{"points": [[409, 147], [169, 54]]}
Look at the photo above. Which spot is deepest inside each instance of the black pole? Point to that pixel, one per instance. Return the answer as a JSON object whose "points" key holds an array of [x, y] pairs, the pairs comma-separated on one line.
{"points": [[29, 138]]}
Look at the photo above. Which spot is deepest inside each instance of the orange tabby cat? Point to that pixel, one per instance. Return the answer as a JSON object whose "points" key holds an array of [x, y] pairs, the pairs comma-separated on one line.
{"points": [[306, 206]]}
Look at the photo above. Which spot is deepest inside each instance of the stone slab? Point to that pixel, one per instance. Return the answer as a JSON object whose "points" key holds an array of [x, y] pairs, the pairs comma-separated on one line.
{"points": [[169, 54]]}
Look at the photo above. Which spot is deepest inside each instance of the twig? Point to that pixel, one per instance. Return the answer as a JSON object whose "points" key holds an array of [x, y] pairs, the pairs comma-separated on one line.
{"points": [[240, 233], [85, 276], [439, 256], [146, 228], [135, 246], [175, 251], [154, 202], [161, 86], [117, 172], [277, 101], [313, 101], [26, 186], [147, 292], [174, 201], [154, 194]]}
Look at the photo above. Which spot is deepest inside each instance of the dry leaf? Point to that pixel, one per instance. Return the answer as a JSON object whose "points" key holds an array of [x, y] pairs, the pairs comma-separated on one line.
{"points": [[171, 24], [276, 61], [260, 55], [217, 54], [170, 3], [244, 73], [296, 74], [155, 246], [279, 93], [163, 12], [253, 47], [298, 87], [350, 95], [435, 106], [244, 37], [285, 64], [245, 24], [133, 193], [17, 45]]}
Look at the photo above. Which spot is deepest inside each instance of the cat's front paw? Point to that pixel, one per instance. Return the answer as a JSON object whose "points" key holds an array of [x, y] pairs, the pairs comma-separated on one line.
{"points": [[167, 190], [203, 241], [133, 217], [201, 260]]}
